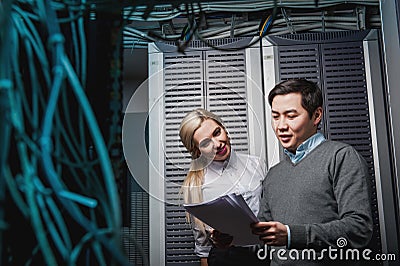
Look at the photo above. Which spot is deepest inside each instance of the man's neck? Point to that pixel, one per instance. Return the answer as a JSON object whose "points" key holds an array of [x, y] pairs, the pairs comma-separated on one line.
{"points": [[304, 148]]}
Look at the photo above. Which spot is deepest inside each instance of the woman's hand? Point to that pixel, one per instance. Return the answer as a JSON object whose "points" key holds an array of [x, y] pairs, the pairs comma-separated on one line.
{"points": [[220, 240], [203, 262]]}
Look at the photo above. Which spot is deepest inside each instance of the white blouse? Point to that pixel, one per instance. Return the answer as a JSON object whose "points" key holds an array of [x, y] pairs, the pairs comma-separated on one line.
{"points": [[242, 174]]}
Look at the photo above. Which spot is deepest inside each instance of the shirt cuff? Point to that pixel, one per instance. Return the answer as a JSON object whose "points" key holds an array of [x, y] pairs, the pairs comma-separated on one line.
{"points": [[288, 236]]}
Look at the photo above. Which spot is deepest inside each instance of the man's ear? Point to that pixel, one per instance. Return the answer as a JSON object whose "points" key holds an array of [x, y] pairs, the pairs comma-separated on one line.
{"points": [[318, 116]]}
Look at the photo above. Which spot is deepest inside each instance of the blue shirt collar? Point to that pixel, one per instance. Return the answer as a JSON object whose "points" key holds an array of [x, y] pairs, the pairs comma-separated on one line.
{"points": [[306, 147]]}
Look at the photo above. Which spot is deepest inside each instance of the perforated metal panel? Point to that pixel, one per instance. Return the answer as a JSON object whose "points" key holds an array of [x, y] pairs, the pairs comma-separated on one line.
{"points": [[346, 108], [184, 92], [346, 103], [301, 61], [135, 237], [214, 80], [336, 62], [226, 93]]}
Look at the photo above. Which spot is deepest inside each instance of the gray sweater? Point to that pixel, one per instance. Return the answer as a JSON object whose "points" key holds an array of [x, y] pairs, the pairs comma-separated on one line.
{"points": [[324, 197]]}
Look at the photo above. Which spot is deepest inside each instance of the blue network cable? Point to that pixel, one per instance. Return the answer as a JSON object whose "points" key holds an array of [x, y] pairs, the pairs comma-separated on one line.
{"points": [[37, 82]]}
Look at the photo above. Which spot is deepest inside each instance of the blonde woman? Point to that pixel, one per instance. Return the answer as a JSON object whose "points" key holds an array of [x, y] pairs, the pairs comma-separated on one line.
{"points": [[216, 170]]}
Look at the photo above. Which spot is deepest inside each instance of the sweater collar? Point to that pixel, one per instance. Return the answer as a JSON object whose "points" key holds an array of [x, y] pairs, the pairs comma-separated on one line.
{"points": [[306, 147]]}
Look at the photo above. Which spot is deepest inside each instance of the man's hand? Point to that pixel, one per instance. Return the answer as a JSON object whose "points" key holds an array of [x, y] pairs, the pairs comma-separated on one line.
{"points": [[272, 233], [220, 240]]}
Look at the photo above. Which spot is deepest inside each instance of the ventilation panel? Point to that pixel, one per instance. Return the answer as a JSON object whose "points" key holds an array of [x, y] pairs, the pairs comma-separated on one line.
{"points": [[226, 93], [300, 61], [347, 110], [183, 85], [135, 237], [346, 100]]}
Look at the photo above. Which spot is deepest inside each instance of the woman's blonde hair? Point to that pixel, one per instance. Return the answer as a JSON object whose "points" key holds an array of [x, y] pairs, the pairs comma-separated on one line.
{"points": [[191, 187]]}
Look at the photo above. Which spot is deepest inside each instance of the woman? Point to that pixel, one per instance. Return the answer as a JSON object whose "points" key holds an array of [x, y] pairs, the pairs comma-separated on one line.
{"points": [[216, 170]]}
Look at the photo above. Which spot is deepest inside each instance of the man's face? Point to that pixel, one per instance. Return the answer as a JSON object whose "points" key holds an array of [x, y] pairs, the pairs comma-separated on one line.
{"points": [[212, 141], [291, 122]]}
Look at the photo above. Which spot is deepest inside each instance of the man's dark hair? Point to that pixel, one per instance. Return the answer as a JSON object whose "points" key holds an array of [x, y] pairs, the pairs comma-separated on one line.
{"points": [[311, 95]]}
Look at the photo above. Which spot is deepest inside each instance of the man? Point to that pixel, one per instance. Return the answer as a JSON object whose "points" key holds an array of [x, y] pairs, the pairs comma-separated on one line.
{"points": [[318, 196]]}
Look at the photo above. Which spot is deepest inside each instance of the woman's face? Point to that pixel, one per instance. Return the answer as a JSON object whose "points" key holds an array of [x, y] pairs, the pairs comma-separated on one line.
{"points": [[212, 140]]}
